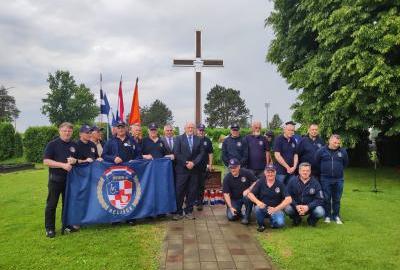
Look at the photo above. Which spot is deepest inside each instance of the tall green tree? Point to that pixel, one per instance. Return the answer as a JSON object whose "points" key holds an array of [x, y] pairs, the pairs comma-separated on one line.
{"points": [[225, 106], [157, 113], [344, 56], [68, 101], [8, 109], [276, 122]]}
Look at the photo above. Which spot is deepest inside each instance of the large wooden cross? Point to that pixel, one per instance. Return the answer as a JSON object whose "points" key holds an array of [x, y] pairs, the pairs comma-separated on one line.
{"points": [[198, 64]]}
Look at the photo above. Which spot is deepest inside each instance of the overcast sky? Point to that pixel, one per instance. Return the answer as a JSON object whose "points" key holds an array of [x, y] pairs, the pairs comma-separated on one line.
{"points": [[139, 38]]}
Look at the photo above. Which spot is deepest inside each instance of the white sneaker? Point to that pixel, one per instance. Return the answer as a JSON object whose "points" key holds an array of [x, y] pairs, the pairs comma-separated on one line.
{"points": [[327, 220], [338, 221]]}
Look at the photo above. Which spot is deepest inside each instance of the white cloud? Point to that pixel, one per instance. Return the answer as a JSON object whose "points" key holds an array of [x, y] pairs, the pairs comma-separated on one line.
{"points": [[139, 38]]}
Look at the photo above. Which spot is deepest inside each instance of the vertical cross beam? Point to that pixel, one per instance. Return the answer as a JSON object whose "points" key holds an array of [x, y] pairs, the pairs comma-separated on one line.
{"points": [[198, 63]]}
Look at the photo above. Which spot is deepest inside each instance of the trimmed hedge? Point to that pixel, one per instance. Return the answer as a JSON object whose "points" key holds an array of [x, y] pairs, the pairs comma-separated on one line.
{"points": [[35, 141], [19, 149], [7, 141]]}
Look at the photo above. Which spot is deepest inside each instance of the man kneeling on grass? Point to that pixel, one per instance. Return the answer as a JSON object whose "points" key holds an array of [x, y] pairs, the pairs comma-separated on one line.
{"points": [[237, 183], [307, 197], [271, 198]]}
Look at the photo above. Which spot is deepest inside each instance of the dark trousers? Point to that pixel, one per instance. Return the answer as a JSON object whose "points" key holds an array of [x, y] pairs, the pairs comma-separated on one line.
{"points": [[55, 189], [186, 186], [333, 190], [202, 183]]}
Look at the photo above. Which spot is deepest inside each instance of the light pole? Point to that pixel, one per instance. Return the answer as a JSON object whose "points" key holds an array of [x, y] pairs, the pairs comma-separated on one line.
{"points": [[251, 120], [267, 107]]}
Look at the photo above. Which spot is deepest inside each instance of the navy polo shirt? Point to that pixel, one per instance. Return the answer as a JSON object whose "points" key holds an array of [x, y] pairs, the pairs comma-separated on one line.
{"points": [[287, 149], [258, 146], [307, 149], [208, 149], [236, 185], [59, 150], [86, 150], [271, 196], [155, 148]]}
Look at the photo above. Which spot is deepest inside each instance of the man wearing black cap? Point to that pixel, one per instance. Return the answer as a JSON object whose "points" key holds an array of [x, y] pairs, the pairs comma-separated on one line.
{"points": [[235, 146], [121, 147], [86, 150], [97, 138], [271, 198], [259, 155], [285, 153], [188, 153], [153, 146], [269, 135], [206, 163], [59, 156], [236, 186]]}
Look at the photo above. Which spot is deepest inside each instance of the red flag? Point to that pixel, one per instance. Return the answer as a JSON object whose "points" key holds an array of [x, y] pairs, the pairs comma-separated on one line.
{"points": [[134, 117], [121, 102]]}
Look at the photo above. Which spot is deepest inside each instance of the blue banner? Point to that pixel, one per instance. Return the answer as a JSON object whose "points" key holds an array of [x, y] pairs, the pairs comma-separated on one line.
{"points": [[103, 192]]}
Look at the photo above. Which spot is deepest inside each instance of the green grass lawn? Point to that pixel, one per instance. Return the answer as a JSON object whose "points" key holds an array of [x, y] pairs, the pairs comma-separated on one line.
{"points": [[369, 238], [23, 244]]}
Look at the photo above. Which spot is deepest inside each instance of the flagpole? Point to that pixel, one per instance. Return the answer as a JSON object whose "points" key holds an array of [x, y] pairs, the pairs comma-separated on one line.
{"points": [[101, 89]]}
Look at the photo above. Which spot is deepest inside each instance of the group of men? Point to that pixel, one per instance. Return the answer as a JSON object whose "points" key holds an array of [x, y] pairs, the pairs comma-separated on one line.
{"points": [[191, 154], [252, 178], [306, 178]]}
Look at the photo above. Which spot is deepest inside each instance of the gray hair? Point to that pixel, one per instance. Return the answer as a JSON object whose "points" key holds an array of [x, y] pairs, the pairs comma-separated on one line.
{"points": [[304, 164]]}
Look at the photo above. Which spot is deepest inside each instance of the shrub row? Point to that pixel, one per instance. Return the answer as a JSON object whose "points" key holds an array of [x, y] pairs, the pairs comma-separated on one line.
{"points": [[10, 142]]}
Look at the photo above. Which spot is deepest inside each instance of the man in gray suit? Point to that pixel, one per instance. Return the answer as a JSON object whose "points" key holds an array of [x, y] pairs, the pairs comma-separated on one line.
{"points": [[188, 152], [169, 139]]}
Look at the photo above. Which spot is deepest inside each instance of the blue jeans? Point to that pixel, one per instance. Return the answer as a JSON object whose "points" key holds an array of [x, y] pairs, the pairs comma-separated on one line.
{"points": [[333, 190], [277, 219], [238, 204], [314, 214], [284, 178]]}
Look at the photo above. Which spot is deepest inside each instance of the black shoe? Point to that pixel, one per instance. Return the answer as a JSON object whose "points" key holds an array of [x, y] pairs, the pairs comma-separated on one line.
{"points": [[200, 207], [296, 221], [260, 228], [245, 221], [50, 233], [177, 217], [131, 222], [68, 230], [189, 216]]}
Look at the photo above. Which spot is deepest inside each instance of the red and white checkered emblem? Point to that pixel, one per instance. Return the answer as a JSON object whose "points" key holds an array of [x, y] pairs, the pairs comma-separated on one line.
{"points": [[120, 193]]}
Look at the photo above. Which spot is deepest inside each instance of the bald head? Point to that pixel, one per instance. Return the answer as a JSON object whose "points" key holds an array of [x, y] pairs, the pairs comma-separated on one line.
{"points": [[256, 128]]}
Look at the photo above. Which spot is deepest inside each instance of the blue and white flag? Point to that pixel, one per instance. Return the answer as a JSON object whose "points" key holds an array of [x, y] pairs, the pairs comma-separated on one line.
{"points": [[103, 192], [104, 105]]}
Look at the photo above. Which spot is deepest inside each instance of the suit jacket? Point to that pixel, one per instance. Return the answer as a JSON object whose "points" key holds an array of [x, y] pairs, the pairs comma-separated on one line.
{"points": [[166, 144], [183, 154]]}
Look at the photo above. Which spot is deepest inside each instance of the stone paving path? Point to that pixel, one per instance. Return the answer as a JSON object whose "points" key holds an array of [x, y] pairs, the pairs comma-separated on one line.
{"points": [[212, 242]]}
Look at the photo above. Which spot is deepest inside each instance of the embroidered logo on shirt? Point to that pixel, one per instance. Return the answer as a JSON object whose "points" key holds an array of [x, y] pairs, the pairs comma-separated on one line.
{"points": [[72, 149], [127, 144], [277, 190], [339, 154], [161, 144], [243, 179], [293, 145], [312, 191], [205, 143], [239, 144], [92, 150], [319, 145], [261, 143]]}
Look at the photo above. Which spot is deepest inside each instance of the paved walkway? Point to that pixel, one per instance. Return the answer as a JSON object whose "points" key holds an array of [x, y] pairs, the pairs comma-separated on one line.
{"points": [[212, 242]]}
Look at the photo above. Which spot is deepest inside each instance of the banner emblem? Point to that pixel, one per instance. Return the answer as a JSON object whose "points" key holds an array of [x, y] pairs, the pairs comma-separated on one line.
{"points": [[118, 190]]}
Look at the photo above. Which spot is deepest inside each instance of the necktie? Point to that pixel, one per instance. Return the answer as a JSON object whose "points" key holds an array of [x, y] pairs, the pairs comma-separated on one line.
{"points": [[171, 146], [190, 143]]}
